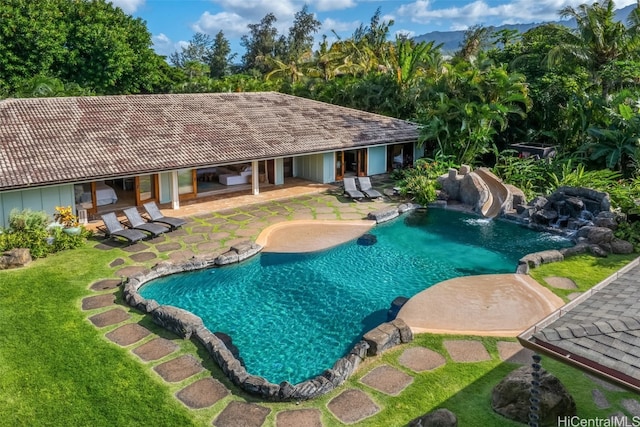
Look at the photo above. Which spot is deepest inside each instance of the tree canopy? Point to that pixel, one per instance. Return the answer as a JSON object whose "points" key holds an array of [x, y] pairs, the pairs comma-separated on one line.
{"points": [[90, 43]]}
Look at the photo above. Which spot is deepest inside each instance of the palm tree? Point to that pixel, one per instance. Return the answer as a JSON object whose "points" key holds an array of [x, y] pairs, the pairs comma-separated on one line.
{"points": [[409, 61], [597, 40]]}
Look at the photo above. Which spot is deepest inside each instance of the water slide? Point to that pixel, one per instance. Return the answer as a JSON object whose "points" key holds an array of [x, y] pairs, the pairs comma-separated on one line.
{"points": [[500, 198]]}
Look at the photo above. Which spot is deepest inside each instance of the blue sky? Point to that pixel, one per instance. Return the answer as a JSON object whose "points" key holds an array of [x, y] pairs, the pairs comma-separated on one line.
{"points": [[173, 22]]}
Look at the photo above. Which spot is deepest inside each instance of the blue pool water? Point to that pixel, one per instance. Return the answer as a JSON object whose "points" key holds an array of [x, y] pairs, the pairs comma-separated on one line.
{"points": [[293, 315]]}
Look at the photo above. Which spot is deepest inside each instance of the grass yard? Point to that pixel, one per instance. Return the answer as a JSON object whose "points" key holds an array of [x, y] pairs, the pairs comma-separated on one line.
{"points": [[57, 369]]}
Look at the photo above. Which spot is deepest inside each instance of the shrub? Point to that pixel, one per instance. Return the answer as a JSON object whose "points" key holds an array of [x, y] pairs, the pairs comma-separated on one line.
{"points": [[27, 219], [32, 230], [421, 180]]}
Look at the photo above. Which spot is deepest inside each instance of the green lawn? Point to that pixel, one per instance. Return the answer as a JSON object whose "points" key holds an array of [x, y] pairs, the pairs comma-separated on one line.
{"points": [[57, 369]]}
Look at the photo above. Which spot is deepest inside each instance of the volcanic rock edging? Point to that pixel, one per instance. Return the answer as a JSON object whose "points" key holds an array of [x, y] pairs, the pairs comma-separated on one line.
{"points": [[187, 325]]}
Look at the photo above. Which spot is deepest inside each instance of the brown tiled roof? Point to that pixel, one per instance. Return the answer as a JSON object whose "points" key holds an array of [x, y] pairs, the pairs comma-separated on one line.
{"points": [[600, 333], [57, 140]]}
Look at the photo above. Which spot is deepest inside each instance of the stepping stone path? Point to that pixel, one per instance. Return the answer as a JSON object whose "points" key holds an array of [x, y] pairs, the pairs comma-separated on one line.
{"points": [[167, 247], [131, 271], [98, 301], [117, 262], [420, 359], [299, 418], [600, 399], [387, 379], [136, 247], [143, 256], [155, 349], [561, 282], [111, 317], [181, 255], [632, 406], [178, 369], [513, 352], [243, 414], [466, 351], [128, 334], [103, 285], [352, 405], [202, 393]]}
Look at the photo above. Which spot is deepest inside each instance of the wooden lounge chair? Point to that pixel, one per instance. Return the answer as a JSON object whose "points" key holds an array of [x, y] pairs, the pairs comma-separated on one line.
{"points": [[351, 190], [113, 228], [155, 215], [367, 188], [138, 223]]}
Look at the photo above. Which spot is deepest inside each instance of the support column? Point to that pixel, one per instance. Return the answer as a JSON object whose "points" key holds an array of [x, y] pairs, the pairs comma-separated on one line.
{"points": [[255, 178], [175, 191]]}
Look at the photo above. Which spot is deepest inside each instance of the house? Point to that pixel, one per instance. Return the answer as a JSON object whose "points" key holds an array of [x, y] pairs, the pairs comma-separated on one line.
{"points": [[96, 153]]}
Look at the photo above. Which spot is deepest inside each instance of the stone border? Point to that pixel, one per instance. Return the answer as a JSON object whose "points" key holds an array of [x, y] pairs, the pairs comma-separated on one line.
{"points": [[186, 325]]}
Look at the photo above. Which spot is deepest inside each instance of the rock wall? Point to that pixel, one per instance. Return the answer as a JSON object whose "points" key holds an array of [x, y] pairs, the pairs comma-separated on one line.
{"points": [[582, 214]]}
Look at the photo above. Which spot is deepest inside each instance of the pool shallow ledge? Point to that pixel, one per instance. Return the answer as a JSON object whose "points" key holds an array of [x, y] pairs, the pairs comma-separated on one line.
{"points": [[487, 305], [311, 235]]}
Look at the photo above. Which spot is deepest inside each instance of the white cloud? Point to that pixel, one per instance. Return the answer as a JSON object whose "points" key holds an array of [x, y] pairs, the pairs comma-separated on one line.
{"points": [[164, 46], [327, 5], [405, 33], [479, 12], [129, 6], [255, 10], [338, 26], [231, 24]]}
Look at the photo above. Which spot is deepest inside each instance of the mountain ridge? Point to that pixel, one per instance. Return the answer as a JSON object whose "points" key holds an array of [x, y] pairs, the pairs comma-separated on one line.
{"points": [[452, 40]]}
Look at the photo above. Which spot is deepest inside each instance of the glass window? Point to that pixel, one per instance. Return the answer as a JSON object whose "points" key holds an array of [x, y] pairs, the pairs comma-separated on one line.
{"points": [[185, 181]]}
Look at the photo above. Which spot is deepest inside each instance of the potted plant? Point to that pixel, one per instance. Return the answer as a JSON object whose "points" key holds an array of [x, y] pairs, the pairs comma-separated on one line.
{"points": [[68, 220]]}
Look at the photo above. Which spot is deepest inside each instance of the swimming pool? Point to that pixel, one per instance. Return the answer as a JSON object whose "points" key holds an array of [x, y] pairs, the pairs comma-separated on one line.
{"points": [[293, 315]]}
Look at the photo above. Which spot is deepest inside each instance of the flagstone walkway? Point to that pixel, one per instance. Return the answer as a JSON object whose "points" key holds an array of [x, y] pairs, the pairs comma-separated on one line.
{"points": [[200, 388]]}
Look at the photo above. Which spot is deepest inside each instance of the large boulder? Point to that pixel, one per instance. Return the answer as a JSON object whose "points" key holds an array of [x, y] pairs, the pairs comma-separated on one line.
{"points": [[15, 258], [510, 398], [473, 191], [438, 418]]}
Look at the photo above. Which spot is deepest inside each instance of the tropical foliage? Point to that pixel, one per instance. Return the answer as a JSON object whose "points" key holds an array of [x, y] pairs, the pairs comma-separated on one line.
{"points": [[35, 231]]}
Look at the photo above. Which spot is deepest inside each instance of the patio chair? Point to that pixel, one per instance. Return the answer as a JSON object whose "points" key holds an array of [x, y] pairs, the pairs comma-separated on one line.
{"points": [[113, 228], [154, 214], [350, 188], [136, 222], [367, 188]]}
